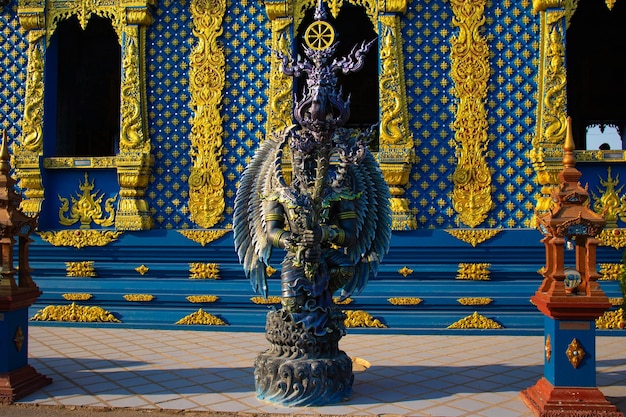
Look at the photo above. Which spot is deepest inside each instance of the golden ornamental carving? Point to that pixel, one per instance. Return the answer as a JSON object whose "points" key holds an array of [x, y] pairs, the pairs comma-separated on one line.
{"points": [[272, 299], [404, 301], [301, 6], [611, 320], [546, 154], [79, 162], [199, 270], [75, 313], [77, 296], [575, 353], [344, 302], [548, 348], [474, 271], [32, 121], [206, 84], [131, 134], [87, 207], [470, 72], [280, 85], [80, 238], [201, 317], [611, 271], [475, 321], [615, 238], [202, 298], [609, 202], [474, 301], [203, 236], [142, 298], [474, 236], [616, 301], [360, 318], [405, 271], [142, 269], [270, 270], [19, 338], [80, 269]]}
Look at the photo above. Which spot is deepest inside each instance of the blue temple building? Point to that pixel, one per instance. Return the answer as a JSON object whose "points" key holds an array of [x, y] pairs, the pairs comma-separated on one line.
{"points": [[131, 121]]}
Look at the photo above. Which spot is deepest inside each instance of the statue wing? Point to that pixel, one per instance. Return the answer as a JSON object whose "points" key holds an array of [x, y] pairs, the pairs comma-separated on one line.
{"points": [[261, 176], [373, 216]]}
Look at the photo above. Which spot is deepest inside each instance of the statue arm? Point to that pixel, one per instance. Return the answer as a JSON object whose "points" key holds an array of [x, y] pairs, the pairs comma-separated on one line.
{"points": [[342, 230]]}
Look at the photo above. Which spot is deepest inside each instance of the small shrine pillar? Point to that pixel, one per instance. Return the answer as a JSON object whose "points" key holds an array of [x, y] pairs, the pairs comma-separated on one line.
{"points": [[571, 300], [17, 378]]}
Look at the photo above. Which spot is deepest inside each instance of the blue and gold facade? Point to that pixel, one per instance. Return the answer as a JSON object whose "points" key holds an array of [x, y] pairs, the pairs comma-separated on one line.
{"points": [[472, 110]]}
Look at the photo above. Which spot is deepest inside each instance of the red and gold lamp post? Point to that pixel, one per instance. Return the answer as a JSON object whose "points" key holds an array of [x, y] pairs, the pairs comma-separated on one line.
{"points": [[571, 299]]}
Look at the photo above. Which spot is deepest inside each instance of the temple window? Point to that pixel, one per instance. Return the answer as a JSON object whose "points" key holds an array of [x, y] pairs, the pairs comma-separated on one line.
{"points": [[596, 73]]}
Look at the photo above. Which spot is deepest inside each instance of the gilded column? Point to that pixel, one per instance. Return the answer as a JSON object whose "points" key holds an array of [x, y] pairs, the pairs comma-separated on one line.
{"points": [[396, 151], [206, 85], [29, 147], [547, 151], [134, 160], [471, 197]]}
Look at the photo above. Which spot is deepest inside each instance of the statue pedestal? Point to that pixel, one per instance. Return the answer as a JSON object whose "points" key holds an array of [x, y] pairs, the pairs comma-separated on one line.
{"points": [[17, 378], [301, 368]]}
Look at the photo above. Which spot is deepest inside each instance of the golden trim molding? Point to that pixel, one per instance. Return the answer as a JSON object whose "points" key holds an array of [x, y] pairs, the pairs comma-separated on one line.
{"points": [[80, 238], [470, 71], [404, 301], [204, 236], [396, 148], [129, 19], [202, 298], [474, 236], [206, 84]]}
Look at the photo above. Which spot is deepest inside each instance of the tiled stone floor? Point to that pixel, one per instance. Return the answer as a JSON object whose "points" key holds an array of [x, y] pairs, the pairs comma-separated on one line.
{"points": [[478, 376]]}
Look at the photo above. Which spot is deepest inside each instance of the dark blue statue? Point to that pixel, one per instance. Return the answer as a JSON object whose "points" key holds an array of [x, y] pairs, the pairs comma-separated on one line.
{"points": [[332, 219]]}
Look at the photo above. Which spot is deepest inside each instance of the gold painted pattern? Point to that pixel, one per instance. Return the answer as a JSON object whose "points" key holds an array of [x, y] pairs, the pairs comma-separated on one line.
{"points": [[203, 236], [575, 353], [202, 298], [609, 203], [272, 299], [77, 296], [142, 269], [405, 271], [474, 271], [75, 313], [203, 318], [616, 301], [548, 348], [80, 238], [19, 338], [143, 298], [338, 301], [615, 238], [474, 236], [199, 270], [87, 208], [611, 272], [206, 83], [404, 301], [611, 320], [475, 321], [80, 269], [470, 71], [474, 301], [360, 318]]}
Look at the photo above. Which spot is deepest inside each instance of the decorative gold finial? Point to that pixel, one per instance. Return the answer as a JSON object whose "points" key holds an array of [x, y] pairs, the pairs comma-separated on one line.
{"points": [[4, 154], [569, 161]]}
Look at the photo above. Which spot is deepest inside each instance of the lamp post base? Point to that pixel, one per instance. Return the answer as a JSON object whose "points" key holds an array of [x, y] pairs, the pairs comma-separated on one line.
{"points": [[546, 400], [20, 382]]}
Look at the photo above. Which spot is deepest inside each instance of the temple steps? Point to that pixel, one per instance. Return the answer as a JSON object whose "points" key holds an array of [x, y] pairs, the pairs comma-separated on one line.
{"points": [[429, 259]]}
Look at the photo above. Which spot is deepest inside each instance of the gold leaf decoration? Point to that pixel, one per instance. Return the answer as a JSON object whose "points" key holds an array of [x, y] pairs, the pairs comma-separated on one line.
{"points": [[611, 320], [19, 338], [86, 208], [473, 236], [615, 238], [575, 353], [474, 271], [470, 71], [80, 269], [338, 301], [75, 313], [203, 318], [616, 301], [269, 270], [143, 298], [77, 296], [202, 298], [404, 301], [360, 318], [203, 236], [611, 272], [272, 299], [142, 269], [80, 238], [206, 84], [405, 271], [474, 301], [475, 321], [199, 270]]}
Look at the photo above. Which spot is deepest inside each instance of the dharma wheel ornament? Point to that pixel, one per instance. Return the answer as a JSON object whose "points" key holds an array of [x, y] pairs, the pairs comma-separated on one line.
{"points": [[571, 299], [17, 378], [333, 220]]}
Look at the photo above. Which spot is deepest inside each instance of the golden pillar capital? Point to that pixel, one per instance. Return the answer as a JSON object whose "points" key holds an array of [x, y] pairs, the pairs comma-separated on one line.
{"points": [[277, 9], [393, 6]]}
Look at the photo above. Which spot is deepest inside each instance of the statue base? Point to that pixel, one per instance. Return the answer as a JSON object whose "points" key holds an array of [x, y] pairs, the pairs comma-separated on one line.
{"points": [[20, 383], [302, 368], [546, 400]]}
